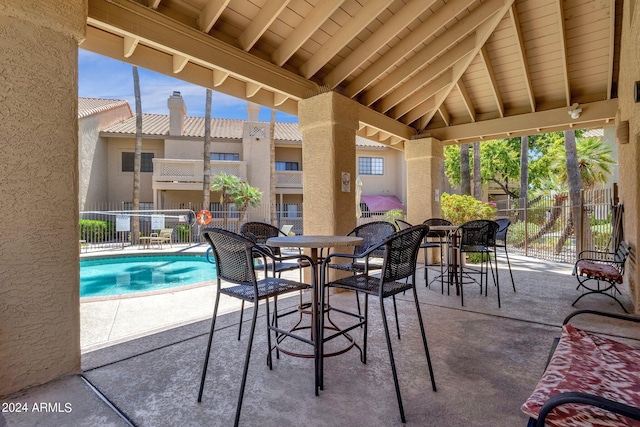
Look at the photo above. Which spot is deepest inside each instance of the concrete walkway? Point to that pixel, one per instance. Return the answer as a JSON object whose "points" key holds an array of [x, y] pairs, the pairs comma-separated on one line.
{"points": [[486, 361]]}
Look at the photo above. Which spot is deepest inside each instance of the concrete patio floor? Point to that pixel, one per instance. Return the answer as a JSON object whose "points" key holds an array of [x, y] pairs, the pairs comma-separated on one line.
{"points": [[486, 361]]}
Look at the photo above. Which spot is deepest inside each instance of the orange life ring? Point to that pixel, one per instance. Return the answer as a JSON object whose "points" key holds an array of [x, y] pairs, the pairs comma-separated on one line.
{"points": [[203, 217]]}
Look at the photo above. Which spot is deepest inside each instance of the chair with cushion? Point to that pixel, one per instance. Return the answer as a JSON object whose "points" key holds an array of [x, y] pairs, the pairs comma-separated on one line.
{"points": [[478, 236], [399, 262], [501, 242], [236, 277], [598, 266]]}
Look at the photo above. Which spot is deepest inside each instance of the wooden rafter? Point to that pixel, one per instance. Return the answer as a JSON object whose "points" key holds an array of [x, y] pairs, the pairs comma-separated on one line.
{"points": [[210, 14], [453, 35], [466, 99], [130, 44], [261, 23], [515, 22], [413, 100], [418, 36], [301, 34], [389, 30], [495, 90], [563, 50], [346, 33]]}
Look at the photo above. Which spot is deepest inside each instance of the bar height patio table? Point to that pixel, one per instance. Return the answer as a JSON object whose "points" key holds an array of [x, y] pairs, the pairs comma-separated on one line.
{"points": [[315, 242]]}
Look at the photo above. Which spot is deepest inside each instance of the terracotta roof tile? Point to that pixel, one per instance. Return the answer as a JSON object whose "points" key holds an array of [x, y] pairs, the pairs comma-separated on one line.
{"points": [[90, 106]]}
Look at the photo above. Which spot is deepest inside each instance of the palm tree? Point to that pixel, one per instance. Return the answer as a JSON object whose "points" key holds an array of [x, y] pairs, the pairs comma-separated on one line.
{"points": [[224, 184], [244, 196], [465, 176], [137, 158], [477, 180], [233, 190], [206, 170]]}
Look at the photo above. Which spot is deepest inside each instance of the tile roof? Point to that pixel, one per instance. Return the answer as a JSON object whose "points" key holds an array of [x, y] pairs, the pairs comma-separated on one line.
{"points": [[158, 125], [90, 106]]}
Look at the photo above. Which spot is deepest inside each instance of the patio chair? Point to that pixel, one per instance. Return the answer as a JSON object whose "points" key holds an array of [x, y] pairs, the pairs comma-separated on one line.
{"points": [[601, 266], [426, 244], [371, 233], [441, 243], [259, 232], [163, 236], [399, 262], [236, 277], [501, 242], [477, 236]]}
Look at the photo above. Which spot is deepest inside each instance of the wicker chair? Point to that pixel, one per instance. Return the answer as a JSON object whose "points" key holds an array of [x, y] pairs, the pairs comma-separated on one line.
{"points": [[478, 236], [443, 240], [426, 244], [501, 242], [371, 233], [236, 277], [399, 262]]}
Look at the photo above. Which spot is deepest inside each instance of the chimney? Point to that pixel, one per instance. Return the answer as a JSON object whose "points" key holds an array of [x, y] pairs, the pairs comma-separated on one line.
{"points": [[177, 111], [253, 111]]}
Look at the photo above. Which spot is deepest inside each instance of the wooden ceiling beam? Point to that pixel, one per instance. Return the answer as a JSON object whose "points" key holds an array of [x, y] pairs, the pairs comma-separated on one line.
{"points": [[127, 18], [344, 35], [493, 83], [210, 14], [595, 113], [398, 22], [260, 23], [454, 34], [466, 99], [515, 22], [130, 44], [179, 62], [419, 96], [426, 75], [446, 118], [563, 50], [305, 30], [612, 48], [413, 40], [483, 32], [153, 4]]}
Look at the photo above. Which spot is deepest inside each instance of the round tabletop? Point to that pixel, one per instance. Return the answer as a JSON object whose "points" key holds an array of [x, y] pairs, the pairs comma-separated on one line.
{"points": [[306, 241]]}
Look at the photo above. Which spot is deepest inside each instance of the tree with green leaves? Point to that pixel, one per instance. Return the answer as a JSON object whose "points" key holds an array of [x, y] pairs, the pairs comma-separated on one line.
{"points": [[233, 190]]}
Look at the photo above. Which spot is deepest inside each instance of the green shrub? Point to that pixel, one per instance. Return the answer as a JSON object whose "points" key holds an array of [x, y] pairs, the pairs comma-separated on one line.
{"points": [[93, 230], [460, 209], [516, 232], [392, 215], [184, 232]]}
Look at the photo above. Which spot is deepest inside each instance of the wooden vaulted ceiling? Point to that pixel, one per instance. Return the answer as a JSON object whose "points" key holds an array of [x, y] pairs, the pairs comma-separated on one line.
{"points": [[457, 70]]}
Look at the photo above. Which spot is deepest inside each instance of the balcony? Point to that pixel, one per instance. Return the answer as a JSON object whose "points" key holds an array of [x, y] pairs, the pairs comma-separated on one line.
{"points": [[180, 174], [289, 179]]}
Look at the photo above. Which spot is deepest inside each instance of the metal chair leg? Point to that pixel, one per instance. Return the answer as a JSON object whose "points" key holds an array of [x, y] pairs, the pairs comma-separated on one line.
{"points": [[246, 364], [424, 341], [206, 358], [395, 311], [392, 360]]}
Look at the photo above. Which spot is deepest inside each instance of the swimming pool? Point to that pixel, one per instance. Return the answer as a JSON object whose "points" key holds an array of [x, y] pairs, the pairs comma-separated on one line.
{"points": [[105, 277]]}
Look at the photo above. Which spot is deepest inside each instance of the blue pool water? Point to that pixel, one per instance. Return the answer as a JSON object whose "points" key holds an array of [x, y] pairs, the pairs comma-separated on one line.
{"points": [[126, 275]]}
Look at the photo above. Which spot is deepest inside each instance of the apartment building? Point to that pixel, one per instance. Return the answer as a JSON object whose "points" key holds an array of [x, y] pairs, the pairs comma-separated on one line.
{"points": [[172, 159]]}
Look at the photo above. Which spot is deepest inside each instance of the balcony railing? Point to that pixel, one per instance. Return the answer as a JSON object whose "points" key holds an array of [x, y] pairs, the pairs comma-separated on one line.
{"points": [[178, 170], [290, 179]]}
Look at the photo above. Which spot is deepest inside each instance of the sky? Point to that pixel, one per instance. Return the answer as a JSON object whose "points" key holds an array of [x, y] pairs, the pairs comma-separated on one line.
{"points": [[103, 77]]}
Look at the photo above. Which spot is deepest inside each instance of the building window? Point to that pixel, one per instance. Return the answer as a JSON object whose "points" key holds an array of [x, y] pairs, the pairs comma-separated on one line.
{"points": [[146, 164], [371, 166], [287, 166], [225, 156]]}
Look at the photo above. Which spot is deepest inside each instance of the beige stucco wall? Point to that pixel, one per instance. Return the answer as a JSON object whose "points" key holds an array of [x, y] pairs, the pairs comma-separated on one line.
{"points": [[39, 303], [391, 182], [256, 151], [121, 183], [93, 153], [424, 184], [629, 154]]}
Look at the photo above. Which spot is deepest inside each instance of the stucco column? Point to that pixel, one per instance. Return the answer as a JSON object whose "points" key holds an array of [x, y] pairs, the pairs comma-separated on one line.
{"points": [[629, 149], [424, 183], [39, 302], [328, 123]]}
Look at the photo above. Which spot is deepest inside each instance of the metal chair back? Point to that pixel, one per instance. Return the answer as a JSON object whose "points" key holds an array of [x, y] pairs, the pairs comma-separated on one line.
{"points": [[372, 233]]}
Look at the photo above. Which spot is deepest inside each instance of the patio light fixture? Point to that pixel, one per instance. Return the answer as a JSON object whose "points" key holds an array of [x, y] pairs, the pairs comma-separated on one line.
{"points": [[575, 110]]}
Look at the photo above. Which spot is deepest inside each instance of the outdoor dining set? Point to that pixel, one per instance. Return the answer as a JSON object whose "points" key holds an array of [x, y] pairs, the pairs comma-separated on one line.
{"points": [[377, 259]]}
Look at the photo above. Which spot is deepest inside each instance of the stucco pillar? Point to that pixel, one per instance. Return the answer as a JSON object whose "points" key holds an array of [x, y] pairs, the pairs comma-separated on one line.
{"points": [[424, 158], [328, 123], [39, 302], [629, 149]]}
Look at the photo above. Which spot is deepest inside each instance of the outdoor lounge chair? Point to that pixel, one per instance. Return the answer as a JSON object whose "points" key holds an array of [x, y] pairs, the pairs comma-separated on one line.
{"points": [[163, 236]]}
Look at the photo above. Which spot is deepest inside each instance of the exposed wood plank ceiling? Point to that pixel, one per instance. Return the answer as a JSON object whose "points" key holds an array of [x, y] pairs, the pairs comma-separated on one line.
{"points": [[458, 70]]}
